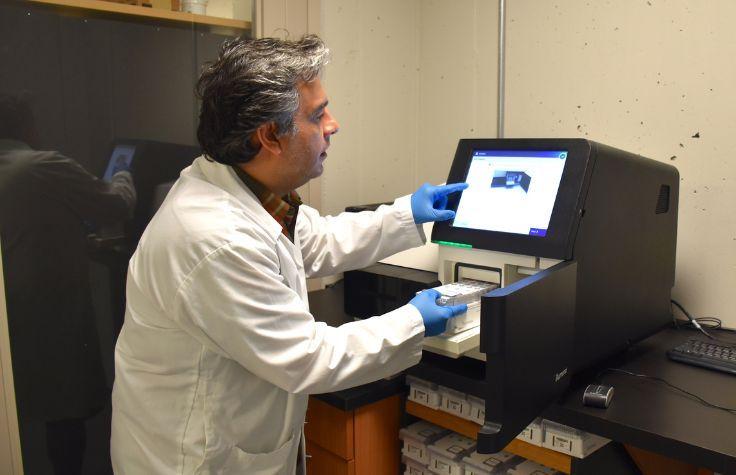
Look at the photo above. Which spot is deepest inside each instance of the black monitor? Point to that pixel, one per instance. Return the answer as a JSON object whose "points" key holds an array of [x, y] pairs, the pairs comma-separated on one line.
{"points": [[522, 197]]}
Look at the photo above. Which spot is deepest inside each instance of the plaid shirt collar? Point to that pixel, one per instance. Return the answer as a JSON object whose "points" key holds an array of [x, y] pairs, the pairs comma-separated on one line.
{"points": [[283, 209]]}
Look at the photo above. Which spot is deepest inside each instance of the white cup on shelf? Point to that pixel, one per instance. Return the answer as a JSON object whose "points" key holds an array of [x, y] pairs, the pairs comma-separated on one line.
{"points": [[194, 6]]}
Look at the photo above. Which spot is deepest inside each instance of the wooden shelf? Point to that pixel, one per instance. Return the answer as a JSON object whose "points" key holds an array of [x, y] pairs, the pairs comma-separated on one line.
{"points": [[155, 13], [543, 455]]}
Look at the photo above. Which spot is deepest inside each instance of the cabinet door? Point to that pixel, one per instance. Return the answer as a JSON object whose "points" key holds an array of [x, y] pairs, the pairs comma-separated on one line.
{"points": [[323, 462], [330, 428], [377, 442]]}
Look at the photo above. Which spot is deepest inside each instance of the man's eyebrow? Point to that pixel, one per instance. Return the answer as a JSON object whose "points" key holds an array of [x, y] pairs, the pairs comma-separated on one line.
{"points": [[320, 108]]}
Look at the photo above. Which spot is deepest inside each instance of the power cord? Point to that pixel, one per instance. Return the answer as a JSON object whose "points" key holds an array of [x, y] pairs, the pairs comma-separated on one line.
{"points": [[644, 376], [711, 323]]}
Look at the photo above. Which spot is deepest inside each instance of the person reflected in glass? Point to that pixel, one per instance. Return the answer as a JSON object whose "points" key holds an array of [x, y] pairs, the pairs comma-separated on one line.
{"points": [[47, 204]]}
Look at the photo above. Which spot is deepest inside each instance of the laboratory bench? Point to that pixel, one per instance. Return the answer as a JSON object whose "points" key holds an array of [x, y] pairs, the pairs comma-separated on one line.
{"points": [[353, 430]]}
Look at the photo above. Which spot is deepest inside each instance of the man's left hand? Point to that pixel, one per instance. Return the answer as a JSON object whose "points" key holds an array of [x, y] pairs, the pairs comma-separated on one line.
{"points": [[428, 202]]}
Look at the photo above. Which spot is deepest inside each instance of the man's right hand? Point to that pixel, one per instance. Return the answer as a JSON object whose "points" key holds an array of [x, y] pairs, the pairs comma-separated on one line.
{"points": [[435, 316]]}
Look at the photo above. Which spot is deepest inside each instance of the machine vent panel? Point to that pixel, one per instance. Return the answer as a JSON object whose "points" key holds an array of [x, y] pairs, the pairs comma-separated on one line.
{"points": [[663, 201]]}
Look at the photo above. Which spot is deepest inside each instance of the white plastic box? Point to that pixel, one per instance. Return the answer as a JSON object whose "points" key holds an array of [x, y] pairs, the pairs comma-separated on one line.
{"points": [[464, 321], [487, 464], [467, 291], [571, 441], [414, 468], [477, 409], [423, 392], [446, 454], [417, 437], [528, 467], [534, 433], [455, 402]]}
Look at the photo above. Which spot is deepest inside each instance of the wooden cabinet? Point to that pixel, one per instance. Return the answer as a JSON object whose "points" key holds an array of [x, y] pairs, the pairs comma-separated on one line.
{"points": [[364, 441]]}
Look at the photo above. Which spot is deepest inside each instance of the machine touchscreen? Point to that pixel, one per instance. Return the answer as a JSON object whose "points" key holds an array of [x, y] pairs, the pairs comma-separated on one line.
{"points": [[121, 159], [511, 191]]}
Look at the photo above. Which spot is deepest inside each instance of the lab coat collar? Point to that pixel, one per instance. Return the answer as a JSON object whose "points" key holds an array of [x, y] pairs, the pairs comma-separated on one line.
{"points": [[225, 177]]}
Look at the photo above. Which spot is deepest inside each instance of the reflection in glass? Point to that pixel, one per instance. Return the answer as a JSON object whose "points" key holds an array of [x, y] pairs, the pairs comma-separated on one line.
{"points": [[48, 204], [97, 117]]}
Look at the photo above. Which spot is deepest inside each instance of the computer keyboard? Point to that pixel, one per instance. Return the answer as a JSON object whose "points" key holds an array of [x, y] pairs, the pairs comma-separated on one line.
{"points": [[712, 355]]}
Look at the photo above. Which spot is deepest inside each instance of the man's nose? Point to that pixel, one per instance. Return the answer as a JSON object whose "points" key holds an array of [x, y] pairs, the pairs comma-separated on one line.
{"points": [[331, 125]]}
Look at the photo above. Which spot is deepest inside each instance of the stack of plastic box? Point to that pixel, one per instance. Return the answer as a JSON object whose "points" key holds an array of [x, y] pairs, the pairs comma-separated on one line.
{"points": [[414, 468], [477, 409], [533, 433], [446, 454], [455, 402], [528, 467], [417, 437], [485, 464], [469, 292], [423, 392], [570, 441]]}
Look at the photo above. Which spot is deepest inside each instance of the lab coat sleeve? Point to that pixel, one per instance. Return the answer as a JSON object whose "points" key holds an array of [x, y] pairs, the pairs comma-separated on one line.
{"points": [[333, 244], [237, 304]]}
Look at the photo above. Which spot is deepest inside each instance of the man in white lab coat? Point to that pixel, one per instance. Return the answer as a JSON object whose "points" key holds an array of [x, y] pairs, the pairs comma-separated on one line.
{"points": [[219, 352]]}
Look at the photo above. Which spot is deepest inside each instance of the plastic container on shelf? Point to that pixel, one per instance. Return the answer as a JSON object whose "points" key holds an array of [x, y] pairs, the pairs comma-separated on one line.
{"points": [[446, 454], [533, 433], [528, 467], [194, 6], [423, 392], [488, 464], [571, 441], [455, 402], [417, 437], [413, 467], [477, 409]]}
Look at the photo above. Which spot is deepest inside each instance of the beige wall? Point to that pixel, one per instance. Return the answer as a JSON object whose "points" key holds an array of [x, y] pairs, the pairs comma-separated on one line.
{"points": [[407, 79], [411, 77], [238, 9], [644, 77]]}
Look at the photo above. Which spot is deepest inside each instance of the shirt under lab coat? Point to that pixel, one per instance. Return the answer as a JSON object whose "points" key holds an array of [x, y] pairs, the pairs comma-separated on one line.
{"points": [[219, 352]]}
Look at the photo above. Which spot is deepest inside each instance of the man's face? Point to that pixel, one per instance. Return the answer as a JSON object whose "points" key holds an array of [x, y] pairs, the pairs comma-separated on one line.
{"points": [[307, 149]]}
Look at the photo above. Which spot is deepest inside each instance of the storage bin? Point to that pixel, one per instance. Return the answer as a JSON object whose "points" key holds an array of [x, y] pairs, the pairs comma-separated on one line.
{"points": [[571, 441], [417, 437], [414, 468], [534, 433], [488, 464], [528, 467], [454, 402], [423, 392], [477, 409], [446, 454]]}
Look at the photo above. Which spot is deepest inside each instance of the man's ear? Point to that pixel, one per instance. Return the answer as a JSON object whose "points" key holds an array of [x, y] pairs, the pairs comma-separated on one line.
{"points": [[266, 136]]}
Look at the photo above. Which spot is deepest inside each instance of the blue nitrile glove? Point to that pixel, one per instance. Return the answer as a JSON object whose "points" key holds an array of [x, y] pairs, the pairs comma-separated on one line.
{"points": [[435, 316], [428, 202]]}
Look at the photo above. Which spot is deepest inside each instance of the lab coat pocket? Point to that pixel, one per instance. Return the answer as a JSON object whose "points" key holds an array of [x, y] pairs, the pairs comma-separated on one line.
{"points": [[277, 462]]}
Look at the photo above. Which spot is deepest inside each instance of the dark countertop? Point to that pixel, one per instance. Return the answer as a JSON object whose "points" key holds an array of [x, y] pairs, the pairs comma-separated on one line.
{"points": [[327, 306], [650, 415]]}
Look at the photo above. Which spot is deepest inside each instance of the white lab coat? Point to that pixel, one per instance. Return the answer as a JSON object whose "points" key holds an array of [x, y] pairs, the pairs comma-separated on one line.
{"points": [[219, 352]]}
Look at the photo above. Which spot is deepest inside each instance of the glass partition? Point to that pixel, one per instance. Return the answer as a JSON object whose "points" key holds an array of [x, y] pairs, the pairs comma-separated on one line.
{"points": [[97, 107]]}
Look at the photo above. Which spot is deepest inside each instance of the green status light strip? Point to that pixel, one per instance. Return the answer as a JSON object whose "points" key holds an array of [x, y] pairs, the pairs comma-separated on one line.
{"points": [[453, 244]]}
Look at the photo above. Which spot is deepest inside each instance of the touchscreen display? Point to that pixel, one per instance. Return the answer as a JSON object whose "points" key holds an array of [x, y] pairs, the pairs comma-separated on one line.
{"points": [[511, 191], [121, 158]]}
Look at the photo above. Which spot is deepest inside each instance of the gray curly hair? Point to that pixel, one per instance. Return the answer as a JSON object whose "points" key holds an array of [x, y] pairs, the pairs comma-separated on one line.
{"points": [[253, 82]]}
